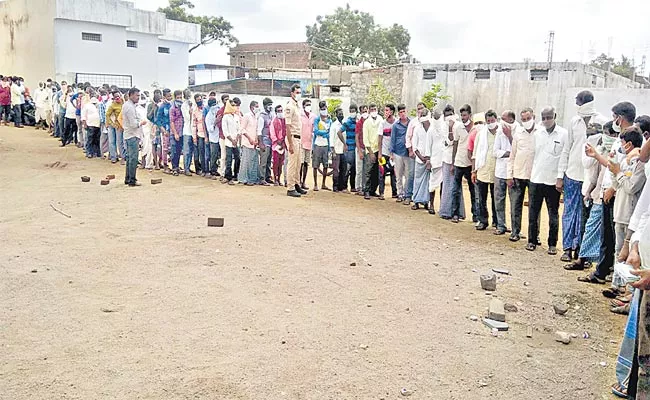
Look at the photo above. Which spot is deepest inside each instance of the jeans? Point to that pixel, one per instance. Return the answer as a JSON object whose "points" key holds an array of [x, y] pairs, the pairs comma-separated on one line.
{"points": [[70, 126], [408, 191], [232, 154], [388, 169], [459, 174], [350, 169], [92, 143], [264, 172], [339, 176], [5, 110], [215, 155], [483, 215], [500, 190], [188, 152], [176, 148], [131, 160], [607, 246], [539, 193], [371, 169], [360, 172], [61, 121], [200, 165], [517, 193], [18, 115], [115, 146]]}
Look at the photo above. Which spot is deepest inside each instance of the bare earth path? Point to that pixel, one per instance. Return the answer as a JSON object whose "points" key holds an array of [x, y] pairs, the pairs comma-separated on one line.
{"points": [[135, 298]]}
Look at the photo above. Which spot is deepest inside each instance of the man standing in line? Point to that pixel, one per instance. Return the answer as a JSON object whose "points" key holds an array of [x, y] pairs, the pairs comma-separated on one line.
{"points": [[189, 141], [321, 144], [264, 142], [372, 129], [294, 128], [571, 175], [502, 149], [398, 152], [198, 134], [385, 163], [91, 123], [520, 166], [549, 144], [278, 133], [132, 135], [176, 127], [360, 165], [17, 102], [213, 137], [347, 134], [249, 157], [336, 146], [306, 140], [484, 164], [115, 130], [462, 160], [222, 139], [231, 129], [410, 179], [163, 122]]}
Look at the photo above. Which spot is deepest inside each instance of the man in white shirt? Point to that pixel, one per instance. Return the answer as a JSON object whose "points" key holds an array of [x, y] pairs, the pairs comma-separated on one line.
{"points": [[231, 131], [132, 135], [549, 144], [462, 130], [189, 141], [249, 158], [43, 104], [91, 124], [437, 144], [502, 149], [339, 183], [572, 172], [423, 131], [484, 164], [213, 138]]}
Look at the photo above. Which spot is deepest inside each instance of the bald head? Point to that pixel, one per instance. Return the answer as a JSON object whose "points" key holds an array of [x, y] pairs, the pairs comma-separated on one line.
{"points": [[508, 116], [548, 117]]}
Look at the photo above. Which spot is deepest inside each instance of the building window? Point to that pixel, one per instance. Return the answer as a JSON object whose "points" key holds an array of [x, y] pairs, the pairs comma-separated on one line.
{"points": [[91, 37], [429, 74], [538, 74], [243, 64], [242, 56], [132, 43], [594, 79], [482, 74], [273, 55], [164, 50]]}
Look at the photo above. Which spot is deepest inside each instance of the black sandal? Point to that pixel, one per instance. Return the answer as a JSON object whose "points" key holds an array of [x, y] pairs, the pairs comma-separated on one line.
{"points": [[591, 278], [531, 246], [432, 211], [575, 267]]}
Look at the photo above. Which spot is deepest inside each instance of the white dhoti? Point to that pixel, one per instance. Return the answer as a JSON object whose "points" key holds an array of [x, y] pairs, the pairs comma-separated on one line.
{"points": [[435, 179], [147, 145]]}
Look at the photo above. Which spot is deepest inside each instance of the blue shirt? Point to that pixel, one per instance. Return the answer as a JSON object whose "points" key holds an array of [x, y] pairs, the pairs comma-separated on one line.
{"points": [[322, 133], [398, 138], [349, 127], [73, 99], [162, 118], [101, 107]]}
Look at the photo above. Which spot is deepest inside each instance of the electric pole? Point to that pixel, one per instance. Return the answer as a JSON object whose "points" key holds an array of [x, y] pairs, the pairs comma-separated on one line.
{"points": [[551, 39]]}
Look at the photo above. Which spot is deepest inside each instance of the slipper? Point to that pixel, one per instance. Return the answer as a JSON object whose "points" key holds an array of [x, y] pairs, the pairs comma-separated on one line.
{"points": [[591, 278], [415, 206], [617, 303], [619, 391], [626, 298], [566, 257], [531, 247], [381, 197], [610, 293], [576, 267], [432, 211], [552, 251], [624, 310]]}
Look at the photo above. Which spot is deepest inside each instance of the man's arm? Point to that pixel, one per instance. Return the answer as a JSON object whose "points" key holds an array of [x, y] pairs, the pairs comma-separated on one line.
{"points": [[260, 128], [342, 138], [634, 183], [511, 158], [500, 148]]}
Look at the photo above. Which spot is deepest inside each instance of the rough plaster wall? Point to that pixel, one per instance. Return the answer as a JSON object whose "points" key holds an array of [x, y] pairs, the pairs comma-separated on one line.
{"points": [[391, 77], [26, 47]]}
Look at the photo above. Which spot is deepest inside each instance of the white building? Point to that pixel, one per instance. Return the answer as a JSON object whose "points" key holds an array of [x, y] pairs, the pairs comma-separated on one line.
{"points": [[98, 41]]}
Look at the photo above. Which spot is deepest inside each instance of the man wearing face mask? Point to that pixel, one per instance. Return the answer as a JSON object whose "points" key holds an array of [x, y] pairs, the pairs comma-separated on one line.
{"points": [[278, 134], [571, 174], [502, 149], [198, 133], [385, 163], [484, 164], [306, 141], [359, 164], [115, 131], [549, 144], [347, 134], [336, 146], [321, 144], [264, 142], [249, 157], [372, 129], [410, 179], [163, 123], [519, 168], [213, 138], [293, 123], [461, 160], [398, 152], [189, 141], [176, 128]]}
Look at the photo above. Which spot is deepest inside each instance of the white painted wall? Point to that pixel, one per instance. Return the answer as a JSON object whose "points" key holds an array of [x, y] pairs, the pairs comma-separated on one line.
{"points": [[605, 99], [172, 67], [203, 76], [26, 47]]}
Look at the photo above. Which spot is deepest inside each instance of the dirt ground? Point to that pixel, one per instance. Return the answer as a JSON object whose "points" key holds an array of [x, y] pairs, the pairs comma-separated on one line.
{"points": [[134, 297]]}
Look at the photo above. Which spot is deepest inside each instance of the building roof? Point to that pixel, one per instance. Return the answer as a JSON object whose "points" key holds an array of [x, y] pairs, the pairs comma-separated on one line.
{"points": [[293, 46]]}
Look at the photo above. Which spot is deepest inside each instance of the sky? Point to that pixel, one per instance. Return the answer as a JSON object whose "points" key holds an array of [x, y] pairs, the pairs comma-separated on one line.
{"points": [[469, 31]]}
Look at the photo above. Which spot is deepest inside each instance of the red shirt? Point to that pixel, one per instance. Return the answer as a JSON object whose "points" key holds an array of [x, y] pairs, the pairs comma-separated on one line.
{"points": [[358, 132], [5, 96]]}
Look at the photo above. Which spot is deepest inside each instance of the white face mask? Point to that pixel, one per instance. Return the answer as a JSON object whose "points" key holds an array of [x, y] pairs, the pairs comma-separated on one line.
{"points": [[422, 119], [364, 115], [256, 110], [323, 113], [616, 126], [307, 108], [491, 126], [448, 118], [297, 97], [466, 123], [528, 125], [280, 115], [373, 114]]}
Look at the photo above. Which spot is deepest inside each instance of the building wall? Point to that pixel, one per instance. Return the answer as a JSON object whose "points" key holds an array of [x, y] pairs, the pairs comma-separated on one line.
{"points": [[172, 67], [393, 79], [25, 50], [605, 99], [271, 58]]}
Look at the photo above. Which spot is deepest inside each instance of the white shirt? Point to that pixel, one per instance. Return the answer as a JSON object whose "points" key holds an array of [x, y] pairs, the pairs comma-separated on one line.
{"points": [[436, 147], [461, 135], [502, 146], [90, 114], [230, 126], [70, 109], [592, 172], [571, 159], [419, 141], [335, 142], [186, 110], [548, 150], [213, 130]]}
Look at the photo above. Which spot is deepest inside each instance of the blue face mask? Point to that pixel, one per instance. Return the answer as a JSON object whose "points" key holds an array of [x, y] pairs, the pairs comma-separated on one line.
{"points": [[178, 102], [199, 103]]}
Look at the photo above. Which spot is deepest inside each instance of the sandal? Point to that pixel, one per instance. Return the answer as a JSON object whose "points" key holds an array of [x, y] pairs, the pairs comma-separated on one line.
{"points": [[531, 247], [576, 267], [381, 197], [619, 391], [407, 202], [415, 206], [591, 278], [624, 310], [432, 211], [626, 298], [611, 293], [617, 303], [567, 256]]}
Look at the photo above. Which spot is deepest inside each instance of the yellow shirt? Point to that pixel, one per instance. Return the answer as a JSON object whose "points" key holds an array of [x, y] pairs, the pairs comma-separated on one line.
{"points": [[486, 173], [371, 130]]}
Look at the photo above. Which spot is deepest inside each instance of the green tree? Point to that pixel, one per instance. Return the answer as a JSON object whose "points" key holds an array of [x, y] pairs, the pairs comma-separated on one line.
{"points": [[352, 36], [624, 67], [212, 28], [379, 95], [432, 97], [332, 105]]}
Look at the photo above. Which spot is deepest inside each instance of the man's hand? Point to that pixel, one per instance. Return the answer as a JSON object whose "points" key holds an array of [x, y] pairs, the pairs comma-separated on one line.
{"points": [[507, 130], [590, 151], [373, 159], [633, 259], [177, 137], [143, 123], [510, 183], [345, 148], [625, 251], [474, 177], [360, 154], [451, 169], [428, 165], [615, 168], [290, 149], [644, 282], [262, 146], [609, 193], [195, 140], [411, 153], [559, 184]]}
